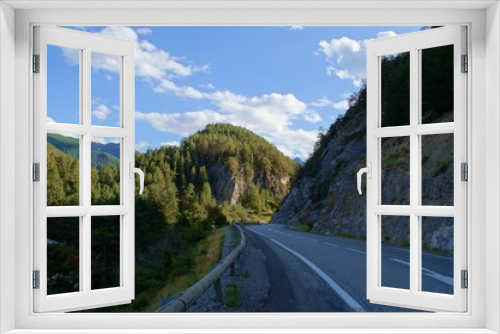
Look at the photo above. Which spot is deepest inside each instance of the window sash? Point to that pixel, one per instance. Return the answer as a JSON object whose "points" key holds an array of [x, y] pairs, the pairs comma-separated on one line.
{"points": [[86, 297], [414, 298]]}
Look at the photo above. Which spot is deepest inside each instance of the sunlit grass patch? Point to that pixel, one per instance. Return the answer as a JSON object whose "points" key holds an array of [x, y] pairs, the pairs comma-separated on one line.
{"points": [[207, 252]]}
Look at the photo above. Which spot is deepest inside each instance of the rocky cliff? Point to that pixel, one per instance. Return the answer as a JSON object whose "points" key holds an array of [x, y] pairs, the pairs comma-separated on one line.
{"points": [[325, 199]]}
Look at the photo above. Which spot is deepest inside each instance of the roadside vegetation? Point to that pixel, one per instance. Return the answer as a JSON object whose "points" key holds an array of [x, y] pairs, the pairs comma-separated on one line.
{"points": [[185, 201]]}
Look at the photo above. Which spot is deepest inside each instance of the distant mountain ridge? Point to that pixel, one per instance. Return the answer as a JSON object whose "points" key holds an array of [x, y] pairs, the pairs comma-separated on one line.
{"points": [[101, 155]]}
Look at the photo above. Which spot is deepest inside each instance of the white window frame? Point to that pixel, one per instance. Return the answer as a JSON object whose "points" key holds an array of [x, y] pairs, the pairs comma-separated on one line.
{"points": [[483, 211], [414, 43]]}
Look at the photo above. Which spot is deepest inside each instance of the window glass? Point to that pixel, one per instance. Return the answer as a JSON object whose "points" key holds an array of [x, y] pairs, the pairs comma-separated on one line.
{"points": [[395, 252], [395, 96], [395, 171], [105, 171], [105, 252], [437, 84], [437, 254], [63, 100], [63, 255], [63, 170], [106, 70]]}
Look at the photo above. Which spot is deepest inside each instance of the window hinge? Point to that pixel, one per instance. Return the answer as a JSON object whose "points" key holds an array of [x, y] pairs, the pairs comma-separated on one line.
{"points": [[36, 279], [464, 168], [465, 279], [36, 172], [36, 63], [465, 64]]}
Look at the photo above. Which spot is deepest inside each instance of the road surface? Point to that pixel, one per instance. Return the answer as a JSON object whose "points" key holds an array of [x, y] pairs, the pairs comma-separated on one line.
{"points": [[340, 263]]}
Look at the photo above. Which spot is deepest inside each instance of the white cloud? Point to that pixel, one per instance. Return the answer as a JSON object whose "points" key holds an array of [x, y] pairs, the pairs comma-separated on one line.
{"points": [[292, 142], [99, 140], [312, 116], [295, 28], [152, 64], [144, 31], [270, 116], [171, 143], [325, 102], [384, 34], [341, 105], [141, 146], [101, 112], [50, 120], [347, 57], [182, 124], [105, 140]]}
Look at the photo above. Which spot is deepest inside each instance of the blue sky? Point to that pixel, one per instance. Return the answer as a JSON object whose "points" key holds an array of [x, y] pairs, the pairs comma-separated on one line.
{"points": [[284, 83]]}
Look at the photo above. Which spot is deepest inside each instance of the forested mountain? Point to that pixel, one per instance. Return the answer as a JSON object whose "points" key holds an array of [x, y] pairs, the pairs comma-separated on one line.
{"points": [[325, 199], [217, 175]]}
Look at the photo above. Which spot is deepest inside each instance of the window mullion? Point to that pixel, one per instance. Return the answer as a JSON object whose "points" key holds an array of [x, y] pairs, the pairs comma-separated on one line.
{"points": [[414, 171], [86, 168]]}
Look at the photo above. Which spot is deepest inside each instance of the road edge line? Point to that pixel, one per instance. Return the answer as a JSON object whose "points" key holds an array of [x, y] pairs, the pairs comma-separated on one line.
{"points": [[348, 299]]}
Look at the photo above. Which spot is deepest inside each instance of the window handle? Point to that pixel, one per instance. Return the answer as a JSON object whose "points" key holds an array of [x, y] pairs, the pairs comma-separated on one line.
{"points": [[368, 171], [141, 175]]}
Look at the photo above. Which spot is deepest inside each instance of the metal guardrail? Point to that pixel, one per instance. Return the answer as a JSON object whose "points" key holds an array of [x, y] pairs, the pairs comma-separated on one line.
{"points": [[188, 297]]}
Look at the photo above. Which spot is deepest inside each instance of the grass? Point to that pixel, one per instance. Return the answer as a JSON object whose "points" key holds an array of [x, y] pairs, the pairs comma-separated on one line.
{"points": [[235, 239], [232, 297], [207, 252], [437, 251], [302, 227], [442, 166]]}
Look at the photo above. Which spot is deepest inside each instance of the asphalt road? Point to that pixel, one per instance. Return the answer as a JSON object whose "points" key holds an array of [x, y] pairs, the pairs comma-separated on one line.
{"points": [[340, 266]]}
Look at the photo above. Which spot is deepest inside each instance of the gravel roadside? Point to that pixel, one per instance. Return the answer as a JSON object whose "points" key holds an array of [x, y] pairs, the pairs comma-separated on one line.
{"points": [[249, 287]]}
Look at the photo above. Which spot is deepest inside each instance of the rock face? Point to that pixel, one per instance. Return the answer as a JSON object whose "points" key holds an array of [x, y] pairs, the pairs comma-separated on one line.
{"points": [[225, 185], [325, 197], [228, 186]]}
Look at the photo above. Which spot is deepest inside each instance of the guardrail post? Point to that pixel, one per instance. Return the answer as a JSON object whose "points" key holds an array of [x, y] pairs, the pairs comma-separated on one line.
{"points": [[218, 290]]}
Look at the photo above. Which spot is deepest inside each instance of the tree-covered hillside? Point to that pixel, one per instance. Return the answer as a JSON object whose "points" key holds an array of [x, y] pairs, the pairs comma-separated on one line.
{"points": [[179, 206]]}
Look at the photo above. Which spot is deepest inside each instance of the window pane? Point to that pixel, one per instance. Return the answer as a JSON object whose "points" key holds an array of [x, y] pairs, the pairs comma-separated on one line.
{"points": [[395, 258], [105, 252], [105, 89], [437, 170], [63, 100], [105, 171], [63, 261], [395, 99], [437, 84], [395, 171], [437, 255], [63, 170]]}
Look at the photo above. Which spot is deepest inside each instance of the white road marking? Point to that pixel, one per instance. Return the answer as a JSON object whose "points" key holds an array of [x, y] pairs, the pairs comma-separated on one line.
{"points": [[424, 253], [355, 251], [330, 244], [353, 304], [337, 288], [431, 273]]}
